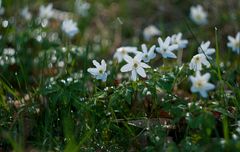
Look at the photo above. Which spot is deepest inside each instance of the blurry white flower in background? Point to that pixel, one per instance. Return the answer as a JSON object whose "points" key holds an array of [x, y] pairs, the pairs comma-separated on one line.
{"points": [[5, 23], [2, 10], [166, 48], [82, 7], [148, 55], [197, 62], [46, 12], [61, 64], [70, 27], [234, 43], [177, 39], [135, 66], [150, 32], [198, 15], [8, 57], [26, 14], [200, 84], [100, 71], [124, 51], [205, 48]]}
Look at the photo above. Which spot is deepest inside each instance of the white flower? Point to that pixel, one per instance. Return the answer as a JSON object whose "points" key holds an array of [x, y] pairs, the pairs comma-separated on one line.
{"points": [[200, 84], [148, 55], [135, 66], [123, 51], [205, 48], [198, 15], [197, 61], [82, 7], [70, 27], [234, 43], [26, 14], [166, 48], [150, 31], [61, 64], [100, 71], [177, 39], [46, 12]]}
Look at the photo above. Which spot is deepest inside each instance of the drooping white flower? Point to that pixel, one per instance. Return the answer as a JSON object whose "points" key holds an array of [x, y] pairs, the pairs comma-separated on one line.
{"points": [[82, 7], [100, 71], [198, 15], [148, 55], [123, 51], [70, 27], [234, 43], [26, 14], [150, 31], [177, 39], [205, 48], [197, 62], [200, 84], [135, 66], [166, 48], [46, 12]]}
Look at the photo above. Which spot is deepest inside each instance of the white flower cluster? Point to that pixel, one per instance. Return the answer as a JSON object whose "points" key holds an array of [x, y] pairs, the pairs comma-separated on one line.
{"points": [[8, 57], [136, 64], [200, 82], [46, 12], [136, 60], [58, 58]]}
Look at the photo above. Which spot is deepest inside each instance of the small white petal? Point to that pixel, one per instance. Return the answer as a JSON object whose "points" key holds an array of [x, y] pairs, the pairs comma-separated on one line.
{"points": [[134, 75], [144, 65], [96, 63], [128, 58], [126, 68], [141, 72], [93, 71]]}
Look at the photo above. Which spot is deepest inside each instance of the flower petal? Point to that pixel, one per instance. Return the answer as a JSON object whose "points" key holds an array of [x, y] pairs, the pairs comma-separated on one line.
{"points": [[169, 54], [126, 68], [208, 86], [128, 58], [167, 41], [93, 71], [134, 75], [144, 48], [144, 65], [96, 63], [141, 72], [103, 65]]}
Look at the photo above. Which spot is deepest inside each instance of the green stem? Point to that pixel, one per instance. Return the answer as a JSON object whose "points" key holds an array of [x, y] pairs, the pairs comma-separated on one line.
{"points": [[225, 119], [179, 56]]}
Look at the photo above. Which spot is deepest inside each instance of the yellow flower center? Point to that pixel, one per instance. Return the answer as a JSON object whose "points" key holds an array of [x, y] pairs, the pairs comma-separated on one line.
{"points": [[124, 51], [135, 64], [199, 84], [197, 59], [100, 71], [198, 17]]}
